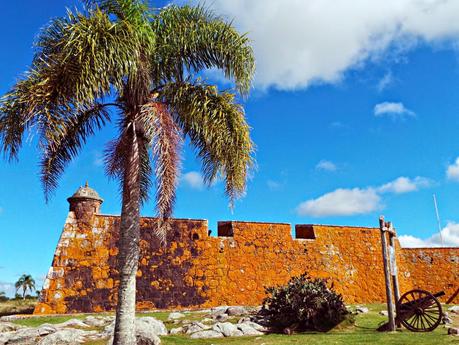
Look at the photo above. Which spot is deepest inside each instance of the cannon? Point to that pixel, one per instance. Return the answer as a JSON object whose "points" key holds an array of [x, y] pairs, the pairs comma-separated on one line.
{"points": [[418, 310]]}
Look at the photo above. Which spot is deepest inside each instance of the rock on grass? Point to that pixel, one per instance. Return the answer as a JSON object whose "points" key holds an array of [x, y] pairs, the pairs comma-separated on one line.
{"points": [[66, 337], [206, 334]]}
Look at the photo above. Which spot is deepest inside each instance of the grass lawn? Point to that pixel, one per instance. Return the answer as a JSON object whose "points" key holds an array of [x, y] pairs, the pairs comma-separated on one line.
{"points": [[363, 332]]}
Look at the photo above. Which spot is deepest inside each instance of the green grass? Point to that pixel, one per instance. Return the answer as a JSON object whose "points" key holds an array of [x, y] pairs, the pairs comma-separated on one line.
{"points": [[363, 332]]}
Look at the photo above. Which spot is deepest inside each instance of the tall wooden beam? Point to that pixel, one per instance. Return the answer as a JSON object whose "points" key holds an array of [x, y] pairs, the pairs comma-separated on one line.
{"points": [[387, 276]]}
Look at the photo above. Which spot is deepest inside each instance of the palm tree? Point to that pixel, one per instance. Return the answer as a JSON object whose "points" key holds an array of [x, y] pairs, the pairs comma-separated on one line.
{"points": [[147, 65], [25, 282]]}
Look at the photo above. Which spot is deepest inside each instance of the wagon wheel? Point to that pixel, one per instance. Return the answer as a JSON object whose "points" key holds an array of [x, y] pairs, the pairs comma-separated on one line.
{"points": [[419, 311]]}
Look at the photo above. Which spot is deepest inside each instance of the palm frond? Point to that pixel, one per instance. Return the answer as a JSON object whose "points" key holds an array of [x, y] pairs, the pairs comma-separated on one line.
{"points": [[81, 56], [63, 141], [166, 141], [195, 39], [217, 128], [135, 12], [13, 124]]}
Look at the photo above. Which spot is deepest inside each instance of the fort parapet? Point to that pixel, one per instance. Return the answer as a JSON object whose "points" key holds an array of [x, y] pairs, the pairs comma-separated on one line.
{"points": [[196, 270]]}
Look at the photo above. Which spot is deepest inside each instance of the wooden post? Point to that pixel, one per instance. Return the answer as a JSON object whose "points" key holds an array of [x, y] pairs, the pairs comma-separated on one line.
{"points": [[394, 267], [390, 305], [451, 299]]}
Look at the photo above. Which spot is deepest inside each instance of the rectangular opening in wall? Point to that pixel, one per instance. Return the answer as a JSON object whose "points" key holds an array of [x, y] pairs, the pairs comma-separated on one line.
{"points": [[225, 229], [305, 232]]}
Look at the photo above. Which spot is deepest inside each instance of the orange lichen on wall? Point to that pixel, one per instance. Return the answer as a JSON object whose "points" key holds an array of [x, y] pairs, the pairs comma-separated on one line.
{"points": [[195, 270], [431, 269]]}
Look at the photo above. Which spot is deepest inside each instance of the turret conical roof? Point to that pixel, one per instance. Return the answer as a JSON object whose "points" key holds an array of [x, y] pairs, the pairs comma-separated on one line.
{"points": [[86, 192]]}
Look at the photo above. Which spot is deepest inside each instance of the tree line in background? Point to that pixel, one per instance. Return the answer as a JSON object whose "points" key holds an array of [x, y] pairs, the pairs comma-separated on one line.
{"points": [[24, 283]]}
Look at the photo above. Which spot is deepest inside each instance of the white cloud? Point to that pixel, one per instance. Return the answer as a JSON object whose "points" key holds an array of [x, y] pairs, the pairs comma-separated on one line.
{"points": [[273, 185], [449, 234], [342, 202], [7, 288], [338, 125], [404, 185], [326, 165], [453, 171], [297, 43], [98, 159], [395, 110], [349, 202], [194, 180], [385, 81]]}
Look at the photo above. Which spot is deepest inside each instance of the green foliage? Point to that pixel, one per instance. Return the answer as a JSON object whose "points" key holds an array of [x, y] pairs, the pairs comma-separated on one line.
{"points": [[304, 304], [3, 297], [24, 283], [217, 128], [149, 61]]}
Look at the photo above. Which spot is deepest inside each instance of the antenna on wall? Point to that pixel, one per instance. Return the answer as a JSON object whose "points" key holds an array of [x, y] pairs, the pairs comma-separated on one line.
{"points": [[438, 219]]}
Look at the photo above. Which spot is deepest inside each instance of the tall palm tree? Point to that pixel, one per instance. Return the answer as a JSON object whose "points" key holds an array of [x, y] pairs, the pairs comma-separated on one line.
{"points": [[25, 282], [145, 64]]}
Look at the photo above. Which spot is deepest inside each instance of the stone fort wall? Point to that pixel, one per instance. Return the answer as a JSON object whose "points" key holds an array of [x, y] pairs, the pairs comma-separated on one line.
{"points": [[196, 270]]}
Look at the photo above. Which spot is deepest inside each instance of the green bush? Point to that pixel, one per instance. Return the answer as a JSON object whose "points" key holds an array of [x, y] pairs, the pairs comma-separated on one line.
{"points": [[303, 304]]}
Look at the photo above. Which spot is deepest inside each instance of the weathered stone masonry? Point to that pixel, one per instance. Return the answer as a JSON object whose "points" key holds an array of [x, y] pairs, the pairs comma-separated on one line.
{"points": [[196, 270]]}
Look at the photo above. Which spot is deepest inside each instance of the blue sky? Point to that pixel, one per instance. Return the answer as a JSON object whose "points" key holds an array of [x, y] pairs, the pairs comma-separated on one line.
{"points": [[355, 113]]}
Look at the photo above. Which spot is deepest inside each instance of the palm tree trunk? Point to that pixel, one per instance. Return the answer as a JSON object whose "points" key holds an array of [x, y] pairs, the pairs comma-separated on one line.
{"points": [[128, 255]]}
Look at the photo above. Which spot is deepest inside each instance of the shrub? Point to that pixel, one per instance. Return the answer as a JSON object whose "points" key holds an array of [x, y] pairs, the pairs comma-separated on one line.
{"points": [[303, 304]]}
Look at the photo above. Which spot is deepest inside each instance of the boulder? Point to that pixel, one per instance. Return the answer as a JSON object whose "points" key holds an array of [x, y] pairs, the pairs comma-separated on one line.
{"points": [[147, 330], [46, 329], [175, 316], [227, 329], [97, 321], [220, 317], [196, 327], [446, 319], [175, 331], [142, 340], [384, 313], [147, 324], [248, 330], [66, 336], [362, 310], [23, 336], [151, 324], [454, 309], [236, 311], [453, 331], [72, 323], [256, 326], [4, 337], [218, 310], [9, 327], [206, 334], [8, 318]]}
